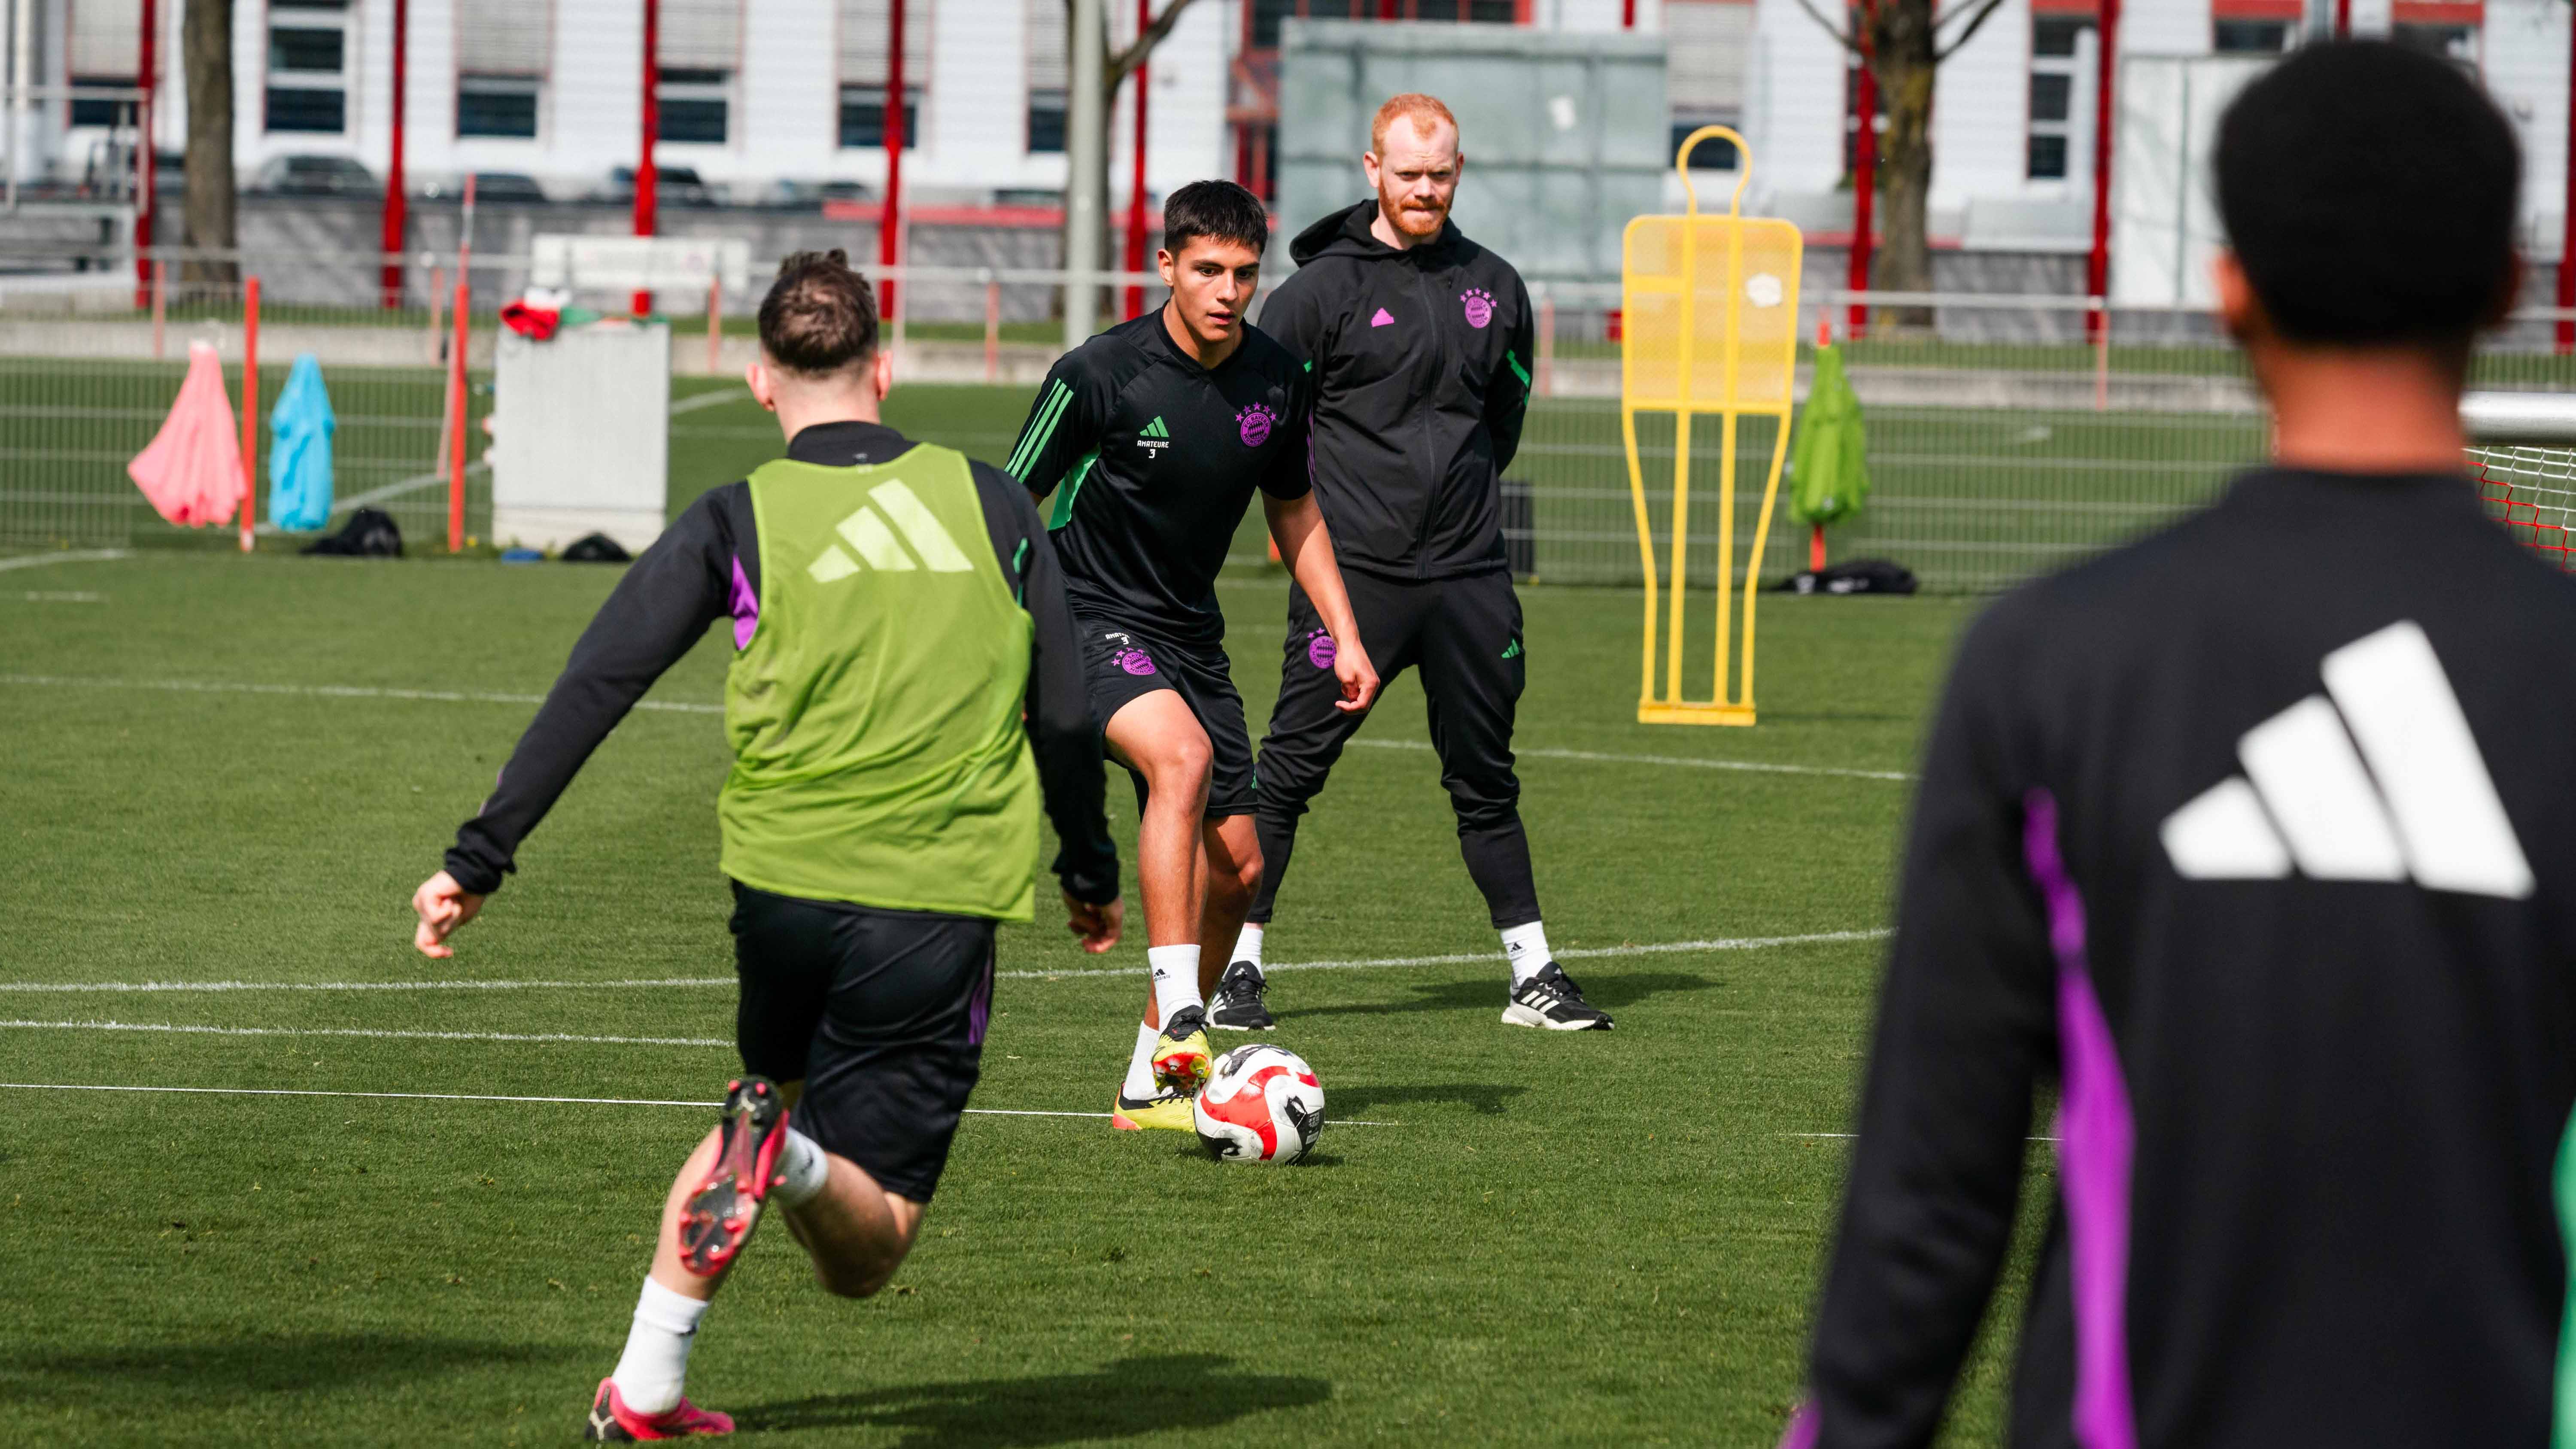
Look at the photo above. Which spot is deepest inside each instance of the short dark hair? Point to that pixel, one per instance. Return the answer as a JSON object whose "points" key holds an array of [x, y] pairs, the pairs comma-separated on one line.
{"points": [[1219, 209], [2369, 192], [819, 317]]}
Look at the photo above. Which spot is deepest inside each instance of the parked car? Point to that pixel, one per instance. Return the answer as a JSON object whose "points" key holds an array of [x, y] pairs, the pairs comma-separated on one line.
{"points": [[507, 188], [672, 186], [315, 176]]}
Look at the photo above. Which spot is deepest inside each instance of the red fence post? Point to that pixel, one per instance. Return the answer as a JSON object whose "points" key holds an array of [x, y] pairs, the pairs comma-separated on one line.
{"points": [[646, 183], [146, 66], [2097, 267], [391, 240], [456, 433], [890, 216], [250, 411]]}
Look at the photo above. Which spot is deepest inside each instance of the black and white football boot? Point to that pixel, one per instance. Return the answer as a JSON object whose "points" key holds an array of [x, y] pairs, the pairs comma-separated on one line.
{"points": [[1237, 1004], [1550, 999]]}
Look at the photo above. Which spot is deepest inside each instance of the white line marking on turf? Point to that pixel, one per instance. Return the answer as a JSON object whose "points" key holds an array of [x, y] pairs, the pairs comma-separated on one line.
{"points": [[77, 555], [574, 1101], [536, 1036], [717, 398], [1605, 757], [455, 696], [63, 596], [1657, 948], [329, 691]]}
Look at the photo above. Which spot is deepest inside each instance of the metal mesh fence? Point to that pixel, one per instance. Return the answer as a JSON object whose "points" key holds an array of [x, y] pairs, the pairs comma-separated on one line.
{"points": [[83, 395]]}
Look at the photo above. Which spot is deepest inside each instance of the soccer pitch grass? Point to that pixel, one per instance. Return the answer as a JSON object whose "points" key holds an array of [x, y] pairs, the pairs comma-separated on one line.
{"points": [[232, 769]]}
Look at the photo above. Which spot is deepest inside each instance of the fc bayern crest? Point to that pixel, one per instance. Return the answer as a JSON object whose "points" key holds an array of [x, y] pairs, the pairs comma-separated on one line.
{"points": [[1256, 422], [1479, 305]]}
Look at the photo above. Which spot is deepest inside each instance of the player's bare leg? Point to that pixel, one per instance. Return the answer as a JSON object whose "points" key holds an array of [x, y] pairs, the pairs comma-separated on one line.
{"points": [[1158, 737], [856, 1233]]}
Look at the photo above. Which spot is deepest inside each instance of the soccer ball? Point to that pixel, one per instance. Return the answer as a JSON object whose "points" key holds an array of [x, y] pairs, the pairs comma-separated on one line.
{"points": [[1261, 1104]]}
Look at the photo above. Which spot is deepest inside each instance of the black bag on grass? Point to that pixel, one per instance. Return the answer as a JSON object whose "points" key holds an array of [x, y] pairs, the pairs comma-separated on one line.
{"points": [[369, 533], [595, 548], [1852, 576]]}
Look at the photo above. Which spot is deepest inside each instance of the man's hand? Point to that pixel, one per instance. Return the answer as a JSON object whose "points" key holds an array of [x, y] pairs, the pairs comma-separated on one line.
{"points": [[443, 906], [1359, 677], [1099, 926]]}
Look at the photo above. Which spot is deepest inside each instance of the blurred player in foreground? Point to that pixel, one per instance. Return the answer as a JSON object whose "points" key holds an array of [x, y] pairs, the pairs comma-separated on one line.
{"points": [[894, 610], [1420, 344], [1153, 436], [2254, 836]]}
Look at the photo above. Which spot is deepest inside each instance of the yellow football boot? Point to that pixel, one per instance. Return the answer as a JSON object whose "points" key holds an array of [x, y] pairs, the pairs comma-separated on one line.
{"points": [[1168, 1110], [1181, 1055]]}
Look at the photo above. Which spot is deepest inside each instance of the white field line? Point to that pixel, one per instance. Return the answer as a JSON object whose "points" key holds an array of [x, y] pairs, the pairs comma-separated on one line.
{"points": [[574, 1101], [64, 596], [396, 489], [1604, 757], [453, 696], [78, 555], [324, 691], [381, 1034], [1658, 948], [715, 399]]}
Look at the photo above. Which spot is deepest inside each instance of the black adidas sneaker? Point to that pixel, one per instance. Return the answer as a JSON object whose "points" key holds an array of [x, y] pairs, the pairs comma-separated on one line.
{"points": [[1237, 1004], [1550, 999]]}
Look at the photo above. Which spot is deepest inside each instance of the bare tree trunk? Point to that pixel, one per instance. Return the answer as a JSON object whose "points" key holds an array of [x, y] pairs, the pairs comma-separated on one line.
{"points": [[207, 47], [1903, 58]]}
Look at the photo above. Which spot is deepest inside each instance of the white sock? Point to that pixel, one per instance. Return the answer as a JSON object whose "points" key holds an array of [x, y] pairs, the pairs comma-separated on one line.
{"points": [[1247, 946], [803, 1170], [1527, 946], [1140, 1067], [656, 1361], [1176, 978]]}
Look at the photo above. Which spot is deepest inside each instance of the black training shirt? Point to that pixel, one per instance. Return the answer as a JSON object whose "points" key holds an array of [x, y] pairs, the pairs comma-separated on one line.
{"points": [[688, 580], [2253, 837], [1152, 459]]}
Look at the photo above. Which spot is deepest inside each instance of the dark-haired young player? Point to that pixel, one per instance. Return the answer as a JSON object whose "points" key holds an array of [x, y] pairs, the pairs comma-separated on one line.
{"points": [[2254, 836], [1420, 344], [1154, 436], [894, 612]]}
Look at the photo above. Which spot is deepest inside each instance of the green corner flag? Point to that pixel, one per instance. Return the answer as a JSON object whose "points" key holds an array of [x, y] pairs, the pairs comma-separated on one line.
{"points": [[1829, 464]]}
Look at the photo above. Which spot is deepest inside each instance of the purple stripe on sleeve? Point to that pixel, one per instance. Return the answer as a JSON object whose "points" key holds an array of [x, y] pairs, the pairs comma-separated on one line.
{"points": [[979, 1008], [2096, 1140], [1802, 1428], [746, 609]]}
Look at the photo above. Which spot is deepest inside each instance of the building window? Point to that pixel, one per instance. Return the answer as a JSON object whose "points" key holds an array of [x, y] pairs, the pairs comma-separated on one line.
{"points": [[502, 50], [1705, 43], [1049, 82], [502, 106], [308, 68], [2455, 43], [863, 116], [2059, 47], [2249, 37], [867, 69], [694, 104], [103, 56]]}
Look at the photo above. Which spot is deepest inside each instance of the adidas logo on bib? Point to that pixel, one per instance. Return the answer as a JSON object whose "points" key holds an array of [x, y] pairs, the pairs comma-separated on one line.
{"points": [[2414, 802], [879, 543]]}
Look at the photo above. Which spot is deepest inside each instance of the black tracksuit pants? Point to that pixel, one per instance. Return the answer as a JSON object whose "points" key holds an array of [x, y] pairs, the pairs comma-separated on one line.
{"points": [[1464, 634]]}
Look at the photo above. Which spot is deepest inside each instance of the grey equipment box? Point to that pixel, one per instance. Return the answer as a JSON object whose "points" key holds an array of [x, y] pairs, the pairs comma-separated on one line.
{"points": [[581, 435], [1566, 134]]}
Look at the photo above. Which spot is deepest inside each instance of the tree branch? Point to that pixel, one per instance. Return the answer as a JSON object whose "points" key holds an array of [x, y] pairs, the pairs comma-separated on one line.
{"points": [[1845, 41], [1118, 65], [1985, 10]]}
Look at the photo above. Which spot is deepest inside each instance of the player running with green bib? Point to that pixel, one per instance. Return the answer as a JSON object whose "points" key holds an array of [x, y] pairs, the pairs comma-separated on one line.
{"points": [[1153, 436], [899, 641]]}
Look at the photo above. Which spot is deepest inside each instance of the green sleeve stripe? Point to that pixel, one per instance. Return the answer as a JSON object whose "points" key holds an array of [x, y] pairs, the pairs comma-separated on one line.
{"points": [[1065, 495], [1041, 428], [1019, 575], [1519, 370]]}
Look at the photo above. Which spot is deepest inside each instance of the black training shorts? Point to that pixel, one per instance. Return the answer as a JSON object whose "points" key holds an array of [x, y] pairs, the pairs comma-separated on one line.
{"points": [[880, 1013], [1120, 666]]}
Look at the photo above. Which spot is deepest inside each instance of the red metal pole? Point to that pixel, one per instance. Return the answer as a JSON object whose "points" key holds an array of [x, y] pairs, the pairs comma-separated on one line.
{"points": [[2097, 267], [146, 64], [890, 216], [250, 411], [391, 243], [2343, 19], [1628, 15], [456, 433], [1864, 189], [2567, 223], [646, 184], [1136, 185]]}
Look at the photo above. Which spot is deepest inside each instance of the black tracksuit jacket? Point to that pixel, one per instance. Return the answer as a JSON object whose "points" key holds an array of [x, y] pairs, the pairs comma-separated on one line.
{"points": [[1422, 361], [2254, 836]]}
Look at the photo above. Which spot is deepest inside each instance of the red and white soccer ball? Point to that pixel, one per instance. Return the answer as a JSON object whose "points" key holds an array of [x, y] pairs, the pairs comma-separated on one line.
{"points": [[1261, 1104]]}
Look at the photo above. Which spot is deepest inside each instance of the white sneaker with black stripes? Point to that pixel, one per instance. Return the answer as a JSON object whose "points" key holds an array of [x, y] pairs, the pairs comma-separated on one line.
{"points": [[1550, 999]]}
